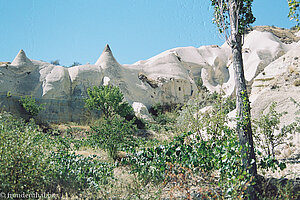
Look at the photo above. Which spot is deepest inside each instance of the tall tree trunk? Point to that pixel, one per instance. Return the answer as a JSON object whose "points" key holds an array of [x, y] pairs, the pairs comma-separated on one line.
{"points": [[242, 101]]}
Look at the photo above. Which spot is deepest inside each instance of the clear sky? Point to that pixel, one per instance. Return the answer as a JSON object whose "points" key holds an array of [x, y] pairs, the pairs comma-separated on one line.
{"points": [[77, 30]]}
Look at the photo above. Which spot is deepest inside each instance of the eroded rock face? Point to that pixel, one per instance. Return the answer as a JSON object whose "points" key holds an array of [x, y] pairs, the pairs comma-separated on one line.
{"points": [[276, 83], [168, 78], [63, 89]]}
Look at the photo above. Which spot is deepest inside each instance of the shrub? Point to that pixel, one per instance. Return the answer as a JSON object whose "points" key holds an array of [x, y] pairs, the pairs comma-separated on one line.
{"points": [[23, 156], [108, 99], [113, 135], [188, 152], [31, 161], [218, 151], [76, 174], [200, 86], [211, 122], [30, 105], [265, 128]]}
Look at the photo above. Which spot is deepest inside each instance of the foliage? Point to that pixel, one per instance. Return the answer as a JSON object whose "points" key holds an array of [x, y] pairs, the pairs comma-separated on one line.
{"points": [[151, 164], [219, 150], [31, 106], [222, 14], [294, 11], [200, 86], [75, 173], [113, 134], [193, 118], [270, 162], [266, 126], [23, 156], [164, 116], [108, 99], [31, 161]]}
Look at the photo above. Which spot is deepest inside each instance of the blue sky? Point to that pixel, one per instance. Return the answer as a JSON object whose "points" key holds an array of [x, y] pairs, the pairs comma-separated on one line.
{"points": [[77, 30]]}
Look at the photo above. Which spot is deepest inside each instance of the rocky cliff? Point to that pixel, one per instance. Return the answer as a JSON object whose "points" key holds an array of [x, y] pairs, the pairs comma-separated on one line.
{"points": [[167, 78]]}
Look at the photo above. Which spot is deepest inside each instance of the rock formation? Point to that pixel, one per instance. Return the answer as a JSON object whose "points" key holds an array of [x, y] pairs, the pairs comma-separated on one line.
{"points": [[168, 78]]}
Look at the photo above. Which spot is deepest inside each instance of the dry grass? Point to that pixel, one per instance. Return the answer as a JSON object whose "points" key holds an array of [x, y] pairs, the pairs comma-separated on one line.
{"points": [[264, 79], [259, 86], [64, 127], [286, 36]]}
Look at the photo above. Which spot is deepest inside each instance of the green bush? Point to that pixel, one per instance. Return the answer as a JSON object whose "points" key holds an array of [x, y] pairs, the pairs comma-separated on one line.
{"points": [[211, 122], [200, 86], [31, 161], [108, 99], [208, 145], [31, 106], [189, 152], [151, 163], [268, 136], [76, 174], [113, 135], [23, 156], [265, 126]]}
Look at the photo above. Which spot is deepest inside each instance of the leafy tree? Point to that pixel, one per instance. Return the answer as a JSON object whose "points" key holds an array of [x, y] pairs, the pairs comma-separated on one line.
{"points": [[113, 134], [232, 18], [108, 99], [294, 11]]}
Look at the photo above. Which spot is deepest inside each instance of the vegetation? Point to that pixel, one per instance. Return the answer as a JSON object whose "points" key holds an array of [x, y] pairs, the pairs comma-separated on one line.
{"points": [[114, 132], [109, 100], [207, 150], [55, 62], [75, 64], [31, 106], [192, 118], [209, 146], [204, 158], [237, 16], [294, 11], [266, 126], [32, 161], [113, 135]]}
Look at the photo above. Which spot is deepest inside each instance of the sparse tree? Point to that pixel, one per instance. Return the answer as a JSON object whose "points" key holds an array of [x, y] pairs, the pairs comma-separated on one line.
{"points": [[233, 17], [75, 64], [55, 62]]}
